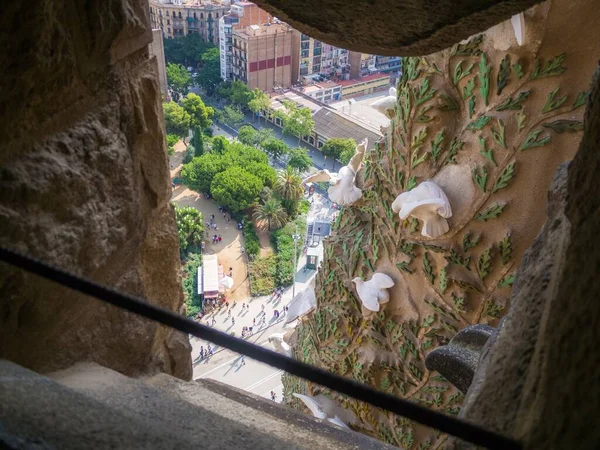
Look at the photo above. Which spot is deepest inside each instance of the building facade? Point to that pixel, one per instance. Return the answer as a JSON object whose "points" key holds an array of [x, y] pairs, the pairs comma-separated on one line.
{"points": [[362, 64], [178, 17], [313, 57], [262, 56], [242, 15], [365, 85]]}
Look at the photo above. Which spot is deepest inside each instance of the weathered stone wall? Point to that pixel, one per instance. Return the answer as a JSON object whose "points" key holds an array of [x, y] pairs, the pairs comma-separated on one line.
{"points": [[84, 185], [489, 121]]}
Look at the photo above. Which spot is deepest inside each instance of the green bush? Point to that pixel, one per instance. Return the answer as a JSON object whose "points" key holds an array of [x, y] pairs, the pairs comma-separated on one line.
{"points": [[172, 139], [303, 207], [190, 227], [251, 238], [189, 154], [189, 284], [284, 246], [262, 275]]}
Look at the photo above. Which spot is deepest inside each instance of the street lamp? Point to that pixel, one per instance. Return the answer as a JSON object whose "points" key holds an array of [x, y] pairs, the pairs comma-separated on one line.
{"points": [[296, 237]]}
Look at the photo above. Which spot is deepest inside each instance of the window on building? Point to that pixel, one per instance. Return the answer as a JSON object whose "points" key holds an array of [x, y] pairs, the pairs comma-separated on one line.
{"points": [[202, 15], [168, 29], [320, 144], [168, 22], [195, 16], [210, 15], [180, 14]]}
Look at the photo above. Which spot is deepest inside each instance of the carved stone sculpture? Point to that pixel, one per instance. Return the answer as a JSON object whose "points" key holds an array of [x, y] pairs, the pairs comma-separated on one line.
{"points": [[343, 190], [428, 203], [280, 345], [317, 410], [301, 304], [374, 292]]}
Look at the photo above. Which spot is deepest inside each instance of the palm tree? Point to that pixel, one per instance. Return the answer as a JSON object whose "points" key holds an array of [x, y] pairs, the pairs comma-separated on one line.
{"points": [[288, 184], [272, 212]]}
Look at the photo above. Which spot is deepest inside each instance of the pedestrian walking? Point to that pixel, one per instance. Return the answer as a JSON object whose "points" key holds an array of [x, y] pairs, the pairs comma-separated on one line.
{"points": [[243, 361], [262, 307], [233, 321], [253, 321], [228, 313], [242, 249]]}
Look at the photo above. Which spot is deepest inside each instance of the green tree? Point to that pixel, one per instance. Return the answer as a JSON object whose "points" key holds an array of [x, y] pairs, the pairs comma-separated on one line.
{"points": [[177, 120], [209, 76], [186, 50], [259, 101], [275, 147], [220, 144], [199, 173], [289, 184], [264, 134], [347, 154], [242, 155], [272, 212], [299, 159], [248, 135], [172, 139], [297, 121], [178, 79], [189, 284], [200, 114], [235, 188], [239, 94], [198, 141], [190, 227], [232, 116], [335, 147], [264, 172]]}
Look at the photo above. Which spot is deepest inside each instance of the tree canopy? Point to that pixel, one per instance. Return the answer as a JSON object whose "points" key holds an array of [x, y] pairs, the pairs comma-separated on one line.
{"points": [[209, 75], [289, 184], [272, 212], [299, 159], [178, 79], [231, 115], [240, 95], [190, 227], [200, 171], [297, 121], [335, 147], [177, 119], [275, 147], [198, 141], [200, 114], [186, 50], [235, 188], [248, 135], [259, 101]]}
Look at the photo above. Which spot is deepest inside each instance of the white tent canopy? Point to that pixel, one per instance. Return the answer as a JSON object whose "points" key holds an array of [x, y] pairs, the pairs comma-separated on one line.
{"points": [[227, 282], [208, 275]]}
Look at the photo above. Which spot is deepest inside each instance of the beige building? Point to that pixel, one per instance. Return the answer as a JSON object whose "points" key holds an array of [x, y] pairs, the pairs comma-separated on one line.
{"points": [[157, 49], [362, 64], [313, 57], [179, 17], [262, 56]]}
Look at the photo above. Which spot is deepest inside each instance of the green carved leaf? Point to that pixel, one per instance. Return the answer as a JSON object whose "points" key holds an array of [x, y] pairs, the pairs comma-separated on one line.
{"points": [[499, 135], [423, 92], [503, 74], [552, 68], [479, 123], [505, 247], [480, 179], [469, 243], [552, 102], [428, 268], [458, 303], [412, 182], [485, 263], [419, 139], [484, 78], [491, 309], [410, 65], [521, 117], [505, 178], [560, 126], [407, 249], [491, 212], [532, 140], [436, 146], [403, 266], [415, 159], [459, 73], [518, 70], [487, 153], [507, 281], [466, 285], [581, 99], [414, 225], [422, 116], [443, 280], [471, 48], [447, 103], [455, 258], [513, 104], [471, 106], [468, 88], [455, 146]]}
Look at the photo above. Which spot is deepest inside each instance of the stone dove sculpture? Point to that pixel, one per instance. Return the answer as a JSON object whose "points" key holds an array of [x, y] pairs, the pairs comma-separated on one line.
{"points": [[278, 341], [386, 106], [317, 410], [374, 292], [343, 191], [301, 304], [428, 203]]}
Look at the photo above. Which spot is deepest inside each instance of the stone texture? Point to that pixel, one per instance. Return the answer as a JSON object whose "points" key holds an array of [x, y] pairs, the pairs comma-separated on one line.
{"points": [[458, 361], [539, 379], [407, 27], [84, 185]]}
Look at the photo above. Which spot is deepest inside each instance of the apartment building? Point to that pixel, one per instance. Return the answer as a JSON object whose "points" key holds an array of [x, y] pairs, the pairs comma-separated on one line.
{"points": [[262, 56], [242, 15], [311, 57], [362, 64], [323, 91], [181, 17]]}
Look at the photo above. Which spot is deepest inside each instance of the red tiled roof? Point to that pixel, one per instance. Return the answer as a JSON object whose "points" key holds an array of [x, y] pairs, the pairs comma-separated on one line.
{"points": [[363, 79]]}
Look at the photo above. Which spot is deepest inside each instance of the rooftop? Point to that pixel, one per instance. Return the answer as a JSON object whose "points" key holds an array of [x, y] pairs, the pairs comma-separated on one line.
{"points": [[319, 86], [363, 79], [265, 29]]}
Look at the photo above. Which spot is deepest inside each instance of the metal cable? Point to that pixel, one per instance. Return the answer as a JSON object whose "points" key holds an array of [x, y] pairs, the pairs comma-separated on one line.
{"points": [[447, 424]]}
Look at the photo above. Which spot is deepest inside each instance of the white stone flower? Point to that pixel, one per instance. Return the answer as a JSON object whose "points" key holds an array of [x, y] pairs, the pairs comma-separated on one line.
{"points": [[428, 203]]}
